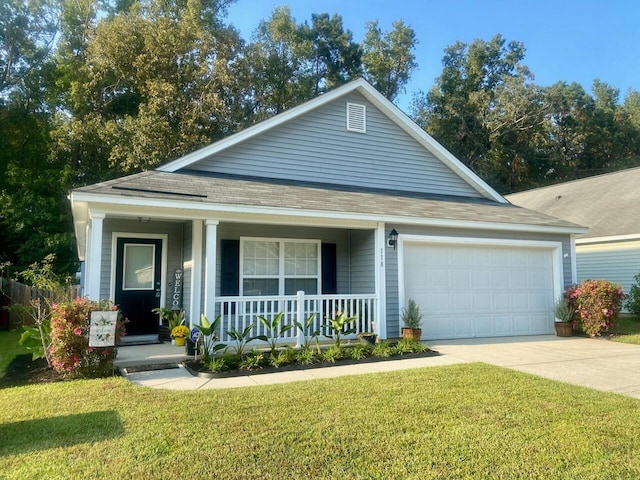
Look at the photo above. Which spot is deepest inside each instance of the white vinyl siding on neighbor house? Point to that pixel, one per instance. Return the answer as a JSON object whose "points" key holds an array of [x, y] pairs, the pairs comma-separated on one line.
{"points": [[617, 262], [317, 147], [279, 266]]}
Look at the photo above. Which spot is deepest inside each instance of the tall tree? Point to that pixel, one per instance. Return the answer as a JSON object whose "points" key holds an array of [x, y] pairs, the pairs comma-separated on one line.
{"points": [[288, 63], [152, 84], [463, 110], [388, 58]]}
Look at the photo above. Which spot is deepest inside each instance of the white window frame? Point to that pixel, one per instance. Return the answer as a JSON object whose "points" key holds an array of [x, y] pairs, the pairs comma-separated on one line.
{"points": [[281, 277]]}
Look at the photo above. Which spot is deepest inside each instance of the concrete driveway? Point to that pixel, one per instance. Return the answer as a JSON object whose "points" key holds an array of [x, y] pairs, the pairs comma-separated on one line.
{"points": [[594, 363]]}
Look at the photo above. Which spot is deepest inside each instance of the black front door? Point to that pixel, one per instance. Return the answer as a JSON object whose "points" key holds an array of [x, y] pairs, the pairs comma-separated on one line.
{"points": [[138, 283]]}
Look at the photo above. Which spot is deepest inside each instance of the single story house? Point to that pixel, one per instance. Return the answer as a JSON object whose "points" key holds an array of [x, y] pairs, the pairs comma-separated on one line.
{"points": [[341, 204], [609, 205]]}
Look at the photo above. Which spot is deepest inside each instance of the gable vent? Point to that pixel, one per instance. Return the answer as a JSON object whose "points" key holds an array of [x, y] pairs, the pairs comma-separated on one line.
{"points": [[356, 118]]}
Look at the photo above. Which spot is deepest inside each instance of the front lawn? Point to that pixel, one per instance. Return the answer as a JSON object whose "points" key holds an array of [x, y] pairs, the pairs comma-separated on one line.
{"points": [[10, 348], [627, 330], [462, 421]]}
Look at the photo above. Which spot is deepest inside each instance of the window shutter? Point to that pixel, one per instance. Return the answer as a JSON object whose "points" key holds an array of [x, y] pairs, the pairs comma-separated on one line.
{"points": [[329, 269], [356, 118], [230, 267]]}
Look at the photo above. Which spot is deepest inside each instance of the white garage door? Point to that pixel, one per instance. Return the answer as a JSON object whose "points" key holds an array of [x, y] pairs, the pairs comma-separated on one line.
{"points": [[469, 291]]}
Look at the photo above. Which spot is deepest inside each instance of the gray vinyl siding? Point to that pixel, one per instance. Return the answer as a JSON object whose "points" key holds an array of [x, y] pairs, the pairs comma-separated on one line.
{"points": [[617, 262], [391, 267], [317, 147], [233, 231], [174, 252], [362, 247]]}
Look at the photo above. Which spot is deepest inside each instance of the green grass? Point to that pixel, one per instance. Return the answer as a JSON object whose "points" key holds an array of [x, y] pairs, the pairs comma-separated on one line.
{"points": [[628, 329], [461, 421], [9, 348]]}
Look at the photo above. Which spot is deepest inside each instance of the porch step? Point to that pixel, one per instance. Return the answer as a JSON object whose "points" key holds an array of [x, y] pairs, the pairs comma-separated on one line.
{"points": [[156, 354]]}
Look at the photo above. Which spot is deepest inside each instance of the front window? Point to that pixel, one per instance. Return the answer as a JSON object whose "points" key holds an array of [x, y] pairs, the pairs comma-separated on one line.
{"points": [[279, 266]]}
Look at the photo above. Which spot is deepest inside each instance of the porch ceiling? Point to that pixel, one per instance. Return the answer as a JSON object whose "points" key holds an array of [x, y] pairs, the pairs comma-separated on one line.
{"points": [[226, 193]]}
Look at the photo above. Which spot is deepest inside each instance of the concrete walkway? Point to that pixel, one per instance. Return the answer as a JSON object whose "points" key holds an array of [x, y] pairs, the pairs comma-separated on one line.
{"points": [[180, 379], [595, 363]]}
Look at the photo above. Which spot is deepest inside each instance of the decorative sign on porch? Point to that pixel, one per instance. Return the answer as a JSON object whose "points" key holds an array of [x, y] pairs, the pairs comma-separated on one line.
{"points": [[176, 296], [102, 330], [195, 335]]}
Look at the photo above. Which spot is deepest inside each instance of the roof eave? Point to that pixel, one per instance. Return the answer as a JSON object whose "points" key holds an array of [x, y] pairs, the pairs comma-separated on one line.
{"points": [[105, 200]]}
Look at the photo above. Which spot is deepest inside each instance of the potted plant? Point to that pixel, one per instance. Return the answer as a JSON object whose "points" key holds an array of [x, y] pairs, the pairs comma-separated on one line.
{"points": [[563, 318], [179, 334], [412, 319], [368, 337], [170, 320]]}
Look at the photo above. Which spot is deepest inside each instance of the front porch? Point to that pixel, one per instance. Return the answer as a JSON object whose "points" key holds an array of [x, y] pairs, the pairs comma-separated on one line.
{"points": [[239, 270]]}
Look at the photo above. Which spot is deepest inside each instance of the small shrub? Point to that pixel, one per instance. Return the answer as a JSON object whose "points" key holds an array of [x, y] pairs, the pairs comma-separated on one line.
{"points": [[279, 359], [358, 351], [596, 304], [406, 346], [382, 349], [218, 364], [332, 354], [252, 361], [632, 302], [71, 354], [305, 356], [411, 316]]}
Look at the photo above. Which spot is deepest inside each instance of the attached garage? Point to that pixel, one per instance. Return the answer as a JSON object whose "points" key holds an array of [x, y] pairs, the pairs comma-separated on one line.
{"points": [[480, 287]]}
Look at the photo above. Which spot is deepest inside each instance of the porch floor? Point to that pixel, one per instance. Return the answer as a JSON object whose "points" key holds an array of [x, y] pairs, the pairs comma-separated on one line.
{"points": [[156, 354]]}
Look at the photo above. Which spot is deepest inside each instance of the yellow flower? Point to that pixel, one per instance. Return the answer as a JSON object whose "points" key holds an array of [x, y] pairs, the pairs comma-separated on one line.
{"points": [[180, 331]]}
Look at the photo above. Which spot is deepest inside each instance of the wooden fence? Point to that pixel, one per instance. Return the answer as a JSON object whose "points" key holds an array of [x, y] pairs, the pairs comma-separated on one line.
{"points": [[16, 293]]}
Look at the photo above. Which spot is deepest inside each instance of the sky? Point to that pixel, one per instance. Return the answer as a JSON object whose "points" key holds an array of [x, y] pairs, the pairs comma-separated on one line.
{"points": [[565, 40]]}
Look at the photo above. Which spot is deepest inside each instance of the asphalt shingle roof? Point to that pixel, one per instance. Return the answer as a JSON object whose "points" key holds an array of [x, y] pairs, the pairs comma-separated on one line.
{"points": [[608, 204], [243, 191]]}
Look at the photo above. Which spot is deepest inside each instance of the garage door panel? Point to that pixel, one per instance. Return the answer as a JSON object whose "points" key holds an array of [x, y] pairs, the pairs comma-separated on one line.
{"points": [[461, 301], [501, 301], [480, 291], [500, 325]]}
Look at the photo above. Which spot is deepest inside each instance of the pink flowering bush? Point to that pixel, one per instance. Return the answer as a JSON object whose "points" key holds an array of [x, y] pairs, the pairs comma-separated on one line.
{"points": [[596, 305], [70, 352]]}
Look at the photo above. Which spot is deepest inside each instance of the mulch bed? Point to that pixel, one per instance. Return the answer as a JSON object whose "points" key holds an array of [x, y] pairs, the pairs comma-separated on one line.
{"points": [[24, 371], [200, 370]]}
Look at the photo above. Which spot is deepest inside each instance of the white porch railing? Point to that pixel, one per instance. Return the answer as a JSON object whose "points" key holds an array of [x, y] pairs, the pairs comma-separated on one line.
{"points": [[240, 312]]}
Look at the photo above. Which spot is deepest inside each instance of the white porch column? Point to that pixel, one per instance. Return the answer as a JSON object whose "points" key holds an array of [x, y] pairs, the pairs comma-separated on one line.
{"points": [[574, 264], [211, 240], [196, 273], [94, 260], [380, 280]]}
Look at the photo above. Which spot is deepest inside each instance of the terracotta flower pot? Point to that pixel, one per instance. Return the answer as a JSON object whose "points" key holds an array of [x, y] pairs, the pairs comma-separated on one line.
{"points": [[411, 333]]}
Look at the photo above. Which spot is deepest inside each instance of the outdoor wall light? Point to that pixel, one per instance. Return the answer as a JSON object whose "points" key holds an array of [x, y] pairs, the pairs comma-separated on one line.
{"points": [[393, 238]]}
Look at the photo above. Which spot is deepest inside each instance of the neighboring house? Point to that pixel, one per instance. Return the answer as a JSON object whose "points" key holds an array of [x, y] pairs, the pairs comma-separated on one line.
{"points": [[610, 206], [296, 213]]}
